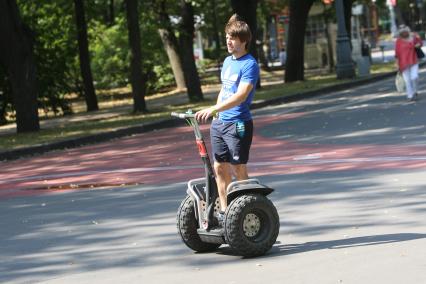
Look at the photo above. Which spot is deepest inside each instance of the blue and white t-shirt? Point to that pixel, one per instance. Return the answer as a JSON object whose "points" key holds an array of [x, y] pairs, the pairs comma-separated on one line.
{"points": [[235, 71]]}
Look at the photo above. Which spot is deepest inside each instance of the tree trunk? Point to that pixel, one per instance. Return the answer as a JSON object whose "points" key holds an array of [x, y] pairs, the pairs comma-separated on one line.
{"points": [[17, 55], [83, 46], [3, 105], [5, 93], [299, 11], [329, 48], [262, 54], [171, 46], [247, 10], [398, 14], [186, 40], [327, 14], [111, 13], [136, 76]]}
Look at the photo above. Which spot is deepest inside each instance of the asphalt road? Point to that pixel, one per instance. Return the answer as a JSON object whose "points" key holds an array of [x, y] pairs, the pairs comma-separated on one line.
{"points": [[349, 172]]}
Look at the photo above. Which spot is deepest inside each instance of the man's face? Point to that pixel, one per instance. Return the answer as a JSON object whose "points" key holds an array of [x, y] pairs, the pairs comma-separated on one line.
{"points": [[234, 45]]}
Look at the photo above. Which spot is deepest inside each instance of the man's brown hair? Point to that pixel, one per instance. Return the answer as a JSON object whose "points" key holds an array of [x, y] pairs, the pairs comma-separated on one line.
{"points": [[236, 27]]}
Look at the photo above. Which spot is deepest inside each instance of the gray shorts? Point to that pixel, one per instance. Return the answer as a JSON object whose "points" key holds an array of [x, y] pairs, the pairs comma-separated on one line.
{"points": [[231, 141]]}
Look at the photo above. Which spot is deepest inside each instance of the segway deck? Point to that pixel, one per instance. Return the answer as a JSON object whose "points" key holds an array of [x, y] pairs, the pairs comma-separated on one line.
{"points": [[215, 236]]}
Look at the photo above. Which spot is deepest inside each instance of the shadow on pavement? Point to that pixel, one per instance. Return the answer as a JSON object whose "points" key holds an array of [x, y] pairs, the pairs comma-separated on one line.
{"points": [[287, 249], [376, 116]]}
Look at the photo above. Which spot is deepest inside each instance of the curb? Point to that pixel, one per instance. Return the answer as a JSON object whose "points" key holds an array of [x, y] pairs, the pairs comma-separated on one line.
{"points": [[167, 123]]}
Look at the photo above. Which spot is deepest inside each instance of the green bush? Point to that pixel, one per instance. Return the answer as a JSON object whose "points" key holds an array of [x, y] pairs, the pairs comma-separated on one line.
{"points": [[110, 54]]}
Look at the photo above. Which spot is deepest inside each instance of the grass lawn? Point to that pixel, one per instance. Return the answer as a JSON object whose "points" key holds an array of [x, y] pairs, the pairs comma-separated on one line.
{"points": [[69, 129]]}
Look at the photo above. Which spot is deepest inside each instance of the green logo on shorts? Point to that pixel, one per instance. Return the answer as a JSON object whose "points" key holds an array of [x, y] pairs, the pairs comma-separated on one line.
{"points": [[241, 128]]}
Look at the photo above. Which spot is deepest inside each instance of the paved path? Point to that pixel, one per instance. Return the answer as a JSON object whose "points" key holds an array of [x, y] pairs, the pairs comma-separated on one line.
{"points": [[348, 169]]}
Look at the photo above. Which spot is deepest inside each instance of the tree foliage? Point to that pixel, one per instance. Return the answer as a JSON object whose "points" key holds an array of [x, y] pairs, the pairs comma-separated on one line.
{"points": [[55, 51], [299, 11], [84, 56], [17, 58], [5, 95], [56, 48], [137, 75]]}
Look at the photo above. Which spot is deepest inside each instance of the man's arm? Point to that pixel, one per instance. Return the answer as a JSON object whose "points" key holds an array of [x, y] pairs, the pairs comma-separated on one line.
{"points": [[240, 96]]}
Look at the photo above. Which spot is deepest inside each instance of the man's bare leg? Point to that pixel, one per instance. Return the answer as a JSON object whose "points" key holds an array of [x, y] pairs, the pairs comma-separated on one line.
{"points": [[223, 179], [240, 171]]}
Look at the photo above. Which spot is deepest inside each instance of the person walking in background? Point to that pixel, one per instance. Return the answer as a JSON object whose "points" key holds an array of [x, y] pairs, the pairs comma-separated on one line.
{"points": [[407, 60], [283, 57]]}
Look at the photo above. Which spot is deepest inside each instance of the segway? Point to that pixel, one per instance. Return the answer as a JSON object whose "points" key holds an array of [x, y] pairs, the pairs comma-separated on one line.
{"points": [[251, 222]]}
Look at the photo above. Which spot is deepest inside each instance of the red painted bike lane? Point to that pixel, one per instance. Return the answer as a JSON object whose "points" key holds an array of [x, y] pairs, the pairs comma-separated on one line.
{"points": [[171, 155]]}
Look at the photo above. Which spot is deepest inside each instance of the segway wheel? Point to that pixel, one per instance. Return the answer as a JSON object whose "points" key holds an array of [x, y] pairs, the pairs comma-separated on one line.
{"points": [[187, 226], [251, 225]]}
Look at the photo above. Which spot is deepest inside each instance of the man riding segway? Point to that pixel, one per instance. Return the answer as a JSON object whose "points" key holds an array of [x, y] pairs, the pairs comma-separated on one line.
{"points": [[242, 217], [231, 131]]}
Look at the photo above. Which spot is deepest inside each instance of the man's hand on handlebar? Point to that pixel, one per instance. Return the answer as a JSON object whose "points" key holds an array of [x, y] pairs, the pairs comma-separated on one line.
{"points": [[204, 114]]}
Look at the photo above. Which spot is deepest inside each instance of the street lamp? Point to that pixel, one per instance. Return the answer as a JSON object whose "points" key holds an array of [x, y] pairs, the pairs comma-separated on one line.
{"points": [[345, 68]]}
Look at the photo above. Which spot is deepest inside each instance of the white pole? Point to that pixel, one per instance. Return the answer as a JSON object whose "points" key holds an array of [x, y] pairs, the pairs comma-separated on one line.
{"points": [[392, 18]]}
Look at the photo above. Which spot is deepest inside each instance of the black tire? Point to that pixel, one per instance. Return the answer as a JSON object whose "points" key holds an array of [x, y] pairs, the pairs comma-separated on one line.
{"points": [[187, 226], [251, 225]]}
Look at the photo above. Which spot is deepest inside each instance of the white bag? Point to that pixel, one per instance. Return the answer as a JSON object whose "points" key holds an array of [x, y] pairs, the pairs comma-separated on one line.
{"points": [[399, 82]]}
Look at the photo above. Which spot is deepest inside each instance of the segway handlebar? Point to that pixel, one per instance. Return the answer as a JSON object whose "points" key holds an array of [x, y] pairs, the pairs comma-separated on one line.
{"points": [[183, 115], [193, 122]]}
